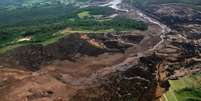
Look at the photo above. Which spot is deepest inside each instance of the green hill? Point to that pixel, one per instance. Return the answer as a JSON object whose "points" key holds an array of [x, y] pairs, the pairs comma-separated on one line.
{"points": [[35, 3]]}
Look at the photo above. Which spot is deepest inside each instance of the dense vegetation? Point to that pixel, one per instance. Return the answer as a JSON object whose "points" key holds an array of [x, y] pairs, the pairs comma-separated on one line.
{"points": [[46, 31], [24, 16], [13, 4], [106, 11], [45, 23], [116, 23]]}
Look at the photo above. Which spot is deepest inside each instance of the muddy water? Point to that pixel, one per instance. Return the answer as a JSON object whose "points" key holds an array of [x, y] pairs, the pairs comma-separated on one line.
{"points": [[115, 5]]}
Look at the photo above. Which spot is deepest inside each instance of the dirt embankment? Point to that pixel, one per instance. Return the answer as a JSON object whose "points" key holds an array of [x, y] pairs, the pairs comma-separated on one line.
{"points": [[68, 71], [57, 82], [136, 83]]}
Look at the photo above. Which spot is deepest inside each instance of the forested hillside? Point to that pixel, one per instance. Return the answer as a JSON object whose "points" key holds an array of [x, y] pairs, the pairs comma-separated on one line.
{"points": [[11, 4]]}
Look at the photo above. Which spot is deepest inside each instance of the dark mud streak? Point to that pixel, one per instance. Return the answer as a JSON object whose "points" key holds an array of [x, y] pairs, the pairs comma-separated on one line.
{"points": [[137, 83]]}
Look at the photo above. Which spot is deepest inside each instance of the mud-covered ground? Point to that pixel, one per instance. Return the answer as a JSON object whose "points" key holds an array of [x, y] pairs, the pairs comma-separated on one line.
{"points": [[118, 66], [83, 67]]}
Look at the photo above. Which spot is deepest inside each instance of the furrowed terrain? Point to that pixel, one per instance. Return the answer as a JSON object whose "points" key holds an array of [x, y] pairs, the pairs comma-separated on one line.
{"points": [[107, 50], [183, 17]]}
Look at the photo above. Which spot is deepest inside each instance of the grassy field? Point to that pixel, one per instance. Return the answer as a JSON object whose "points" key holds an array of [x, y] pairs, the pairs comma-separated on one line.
{"points": [[185, 89], [84, 14], [44, 27]]}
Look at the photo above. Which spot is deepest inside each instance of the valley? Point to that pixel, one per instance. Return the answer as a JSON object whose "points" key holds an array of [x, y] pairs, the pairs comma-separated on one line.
{"points": [[108, 50]]}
